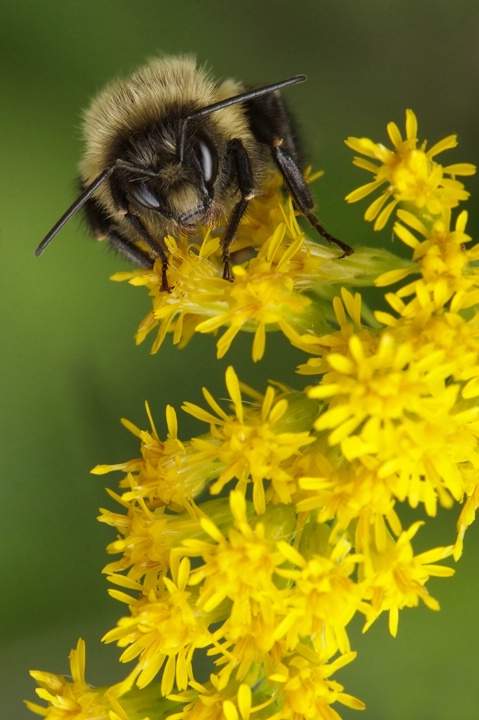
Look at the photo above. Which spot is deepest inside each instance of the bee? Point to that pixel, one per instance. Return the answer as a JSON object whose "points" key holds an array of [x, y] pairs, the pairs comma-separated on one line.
{"points": [[169, 148]]}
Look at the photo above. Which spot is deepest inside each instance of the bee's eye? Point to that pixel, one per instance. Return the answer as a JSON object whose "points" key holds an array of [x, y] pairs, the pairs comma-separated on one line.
{"points": [[142, 194], [208, 159]]}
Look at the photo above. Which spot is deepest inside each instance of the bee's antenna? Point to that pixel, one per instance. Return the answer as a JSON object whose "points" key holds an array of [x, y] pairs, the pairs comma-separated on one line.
{"points": [[242, 97], [247, 95], [79, 202]]}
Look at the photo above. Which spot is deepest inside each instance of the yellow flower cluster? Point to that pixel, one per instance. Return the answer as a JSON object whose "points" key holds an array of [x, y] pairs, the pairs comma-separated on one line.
{"points": [[250, 547], [73, 697], [268, 292]]}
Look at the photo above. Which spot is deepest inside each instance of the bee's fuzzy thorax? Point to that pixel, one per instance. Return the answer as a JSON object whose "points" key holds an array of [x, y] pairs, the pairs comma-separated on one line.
{"points": [[161, 87]]}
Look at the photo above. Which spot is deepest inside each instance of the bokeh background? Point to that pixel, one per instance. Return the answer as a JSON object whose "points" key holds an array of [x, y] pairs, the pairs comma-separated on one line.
{"points": [[69, 366]]}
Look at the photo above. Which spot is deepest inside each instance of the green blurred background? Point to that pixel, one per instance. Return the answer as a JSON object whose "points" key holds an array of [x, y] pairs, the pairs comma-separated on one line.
{"points": [[70, 369]]}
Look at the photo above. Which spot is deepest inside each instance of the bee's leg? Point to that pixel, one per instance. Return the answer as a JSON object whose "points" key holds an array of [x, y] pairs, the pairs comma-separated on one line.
{"points": [[101, 227], [157, 247], [272, 125], [237, 155], [301, 195], [130, 251]]}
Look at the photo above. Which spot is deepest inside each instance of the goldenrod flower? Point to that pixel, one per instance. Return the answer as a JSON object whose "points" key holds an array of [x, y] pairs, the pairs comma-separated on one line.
{"points": [[215, 702], [268, 291], [443, 261], [307, 691], [158, 475], [73, 698], [250, 446], [163, 629], [240, 568], [255, 543], [468, 513], [395, 578], [145, 539], [411, 174], [352, 493], [325, 596]]}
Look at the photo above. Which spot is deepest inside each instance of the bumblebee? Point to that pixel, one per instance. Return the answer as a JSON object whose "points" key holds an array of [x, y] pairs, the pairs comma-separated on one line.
{"points": [[169, 148]]}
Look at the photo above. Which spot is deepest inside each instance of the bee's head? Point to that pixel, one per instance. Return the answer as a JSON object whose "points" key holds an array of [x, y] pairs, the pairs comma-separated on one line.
{"points": [[171, 171]]}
